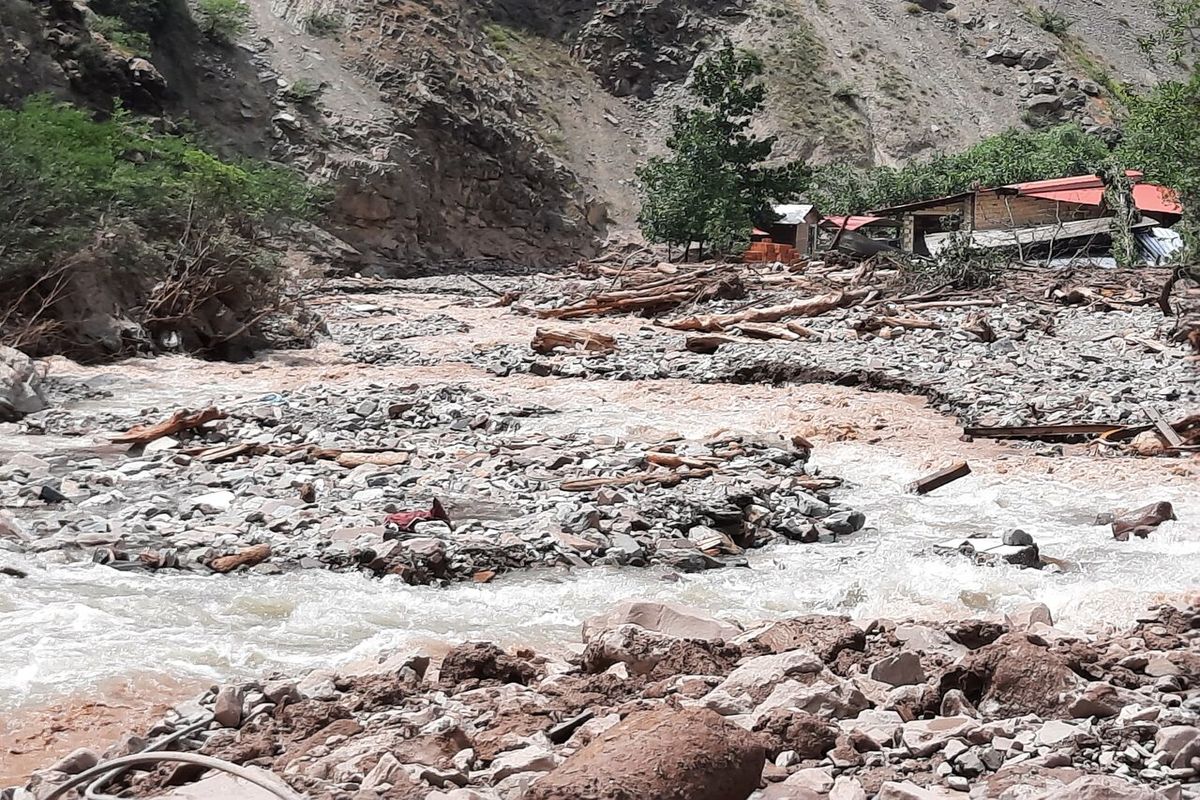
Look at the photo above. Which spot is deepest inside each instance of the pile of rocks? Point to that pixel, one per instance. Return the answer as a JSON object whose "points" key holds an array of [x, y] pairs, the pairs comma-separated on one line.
{"points": [[665, 702], [1037, 365], [305, 479]]}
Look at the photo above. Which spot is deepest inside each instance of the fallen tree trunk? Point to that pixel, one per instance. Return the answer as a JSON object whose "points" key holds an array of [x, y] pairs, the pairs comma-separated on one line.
{"points": [[809, 307], [181, 420]]}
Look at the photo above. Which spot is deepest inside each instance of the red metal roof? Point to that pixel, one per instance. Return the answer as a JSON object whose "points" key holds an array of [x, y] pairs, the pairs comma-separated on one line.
{"points": [[1088, 190], [853, 223]]}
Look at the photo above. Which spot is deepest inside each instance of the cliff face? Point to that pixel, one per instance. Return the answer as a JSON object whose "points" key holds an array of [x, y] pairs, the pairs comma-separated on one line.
{"points": [[459, 130]]}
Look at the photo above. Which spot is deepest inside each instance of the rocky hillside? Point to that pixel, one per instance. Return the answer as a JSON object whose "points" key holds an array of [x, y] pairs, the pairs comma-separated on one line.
{"points": [[509, 129]]}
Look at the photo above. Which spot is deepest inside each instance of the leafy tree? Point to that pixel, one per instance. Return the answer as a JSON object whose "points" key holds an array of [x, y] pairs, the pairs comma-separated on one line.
{"points": [[714, 185], [1162, 129]]}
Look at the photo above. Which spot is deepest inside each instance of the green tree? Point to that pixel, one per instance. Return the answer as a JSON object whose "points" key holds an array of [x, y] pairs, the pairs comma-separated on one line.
{"points": [[1162, 129], [714, 185]]}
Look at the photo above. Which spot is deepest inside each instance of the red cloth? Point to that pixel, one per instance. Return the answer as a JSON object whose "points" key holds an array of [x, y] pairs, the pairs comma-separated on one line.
{"points": [[407, 520]]}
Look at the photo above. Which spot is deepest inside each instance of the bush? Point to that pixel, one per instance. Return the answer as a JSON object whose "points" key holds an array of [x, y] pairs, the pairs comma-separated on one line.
{"points": [[222, 21], [304, 92], [69, 184], [144, 16], [323, 23], [119, 35], [1051, 20]]}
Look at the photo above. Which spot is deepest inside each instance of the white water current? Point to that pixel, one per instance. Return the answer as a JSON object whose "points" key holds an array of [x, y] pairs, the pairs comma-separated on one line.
{"points": [[68, 629]]}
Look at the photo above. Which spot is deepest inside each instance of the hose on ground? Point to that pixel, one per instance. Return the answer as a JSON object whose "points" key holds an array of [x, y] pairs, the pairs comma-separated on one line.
{"points": [[91, 792], [185, 758]]}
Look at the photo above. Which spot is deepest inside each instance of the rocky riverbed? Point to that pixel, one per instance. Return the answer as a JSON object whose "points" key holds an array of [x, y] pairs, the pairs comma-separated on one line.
{"points": [[716, 478], [665, 701]]}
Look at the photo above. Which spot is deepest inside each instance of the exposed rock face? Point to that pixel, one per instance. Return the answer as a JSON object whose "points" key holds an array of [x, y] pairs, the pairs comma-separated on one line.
{"points": [[660, 755]]}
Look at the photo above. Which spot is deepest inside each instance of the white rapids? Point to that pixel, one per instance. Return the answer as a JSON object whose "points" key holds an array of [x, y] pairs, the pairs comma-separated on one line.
{"points": [[69, 629]]}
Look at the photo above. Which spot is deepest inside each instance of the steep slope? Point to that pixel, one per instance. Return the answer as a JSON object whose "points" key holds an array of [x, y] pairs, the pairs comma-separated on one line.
{"points": [[458, 130]]}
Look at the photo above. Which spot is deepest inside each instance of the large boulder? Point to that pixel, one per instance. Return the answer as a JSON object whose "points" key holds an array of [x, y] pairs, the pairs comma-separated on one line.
{"points": [[670, 619], [824, 635], [483, 663], [20, 390], [647, 652], [754, 681], [1013, 676], [663, 754], [1104, 787]]}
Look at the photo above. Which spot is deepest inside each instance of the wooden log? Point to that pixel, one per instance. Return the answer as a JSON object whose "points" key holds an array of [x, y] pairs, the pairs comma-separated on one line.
{"points": [[248, 557], [912, 323], [546, 340], [388, 459], [940, 478], [181, 420], [808, 307]]}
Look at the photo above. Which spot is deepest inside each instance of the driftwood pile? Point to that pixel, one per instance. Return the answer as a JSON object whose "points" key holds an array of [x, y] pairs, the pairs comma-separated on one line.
{"points": [[654, 290]]}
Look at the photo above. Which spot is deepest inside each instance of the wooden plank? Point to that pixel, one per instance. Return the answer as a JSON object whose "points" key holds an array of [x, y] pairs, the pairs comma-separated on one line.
{"points": [[1170, 434], [940, 478], [1065, 431]]}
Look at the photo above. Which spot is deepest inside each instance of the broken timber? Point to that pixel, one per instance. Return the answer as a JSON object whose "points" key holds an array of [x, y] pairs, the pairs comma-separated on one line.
{"points": [[546, 340], [1170, 434], [181, 420], [940, 478]]}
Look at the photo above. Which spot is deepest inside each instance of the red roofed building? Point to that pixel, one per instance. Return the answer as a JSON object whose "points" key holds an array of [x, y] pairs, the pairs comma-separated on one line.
{"points": [[1071, 206]]}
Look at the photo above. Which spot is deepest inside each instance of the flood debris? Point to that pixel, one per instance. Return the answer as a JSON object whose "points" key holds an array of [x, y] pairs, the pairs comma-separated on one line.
{"points": [[245, 558], [407, 521], [1015, 547], [546, 340], [178, 422], [942, 477], [1140, 522]]}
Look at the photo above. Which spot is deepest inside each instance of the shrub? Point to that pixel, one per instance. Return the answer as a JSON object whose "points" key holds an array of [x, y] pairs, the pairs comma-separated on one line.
{"points": [[304, 92], [323, 23], [1051, 20], [119, 35], [144, 16], [222, 21], [70, 183]]}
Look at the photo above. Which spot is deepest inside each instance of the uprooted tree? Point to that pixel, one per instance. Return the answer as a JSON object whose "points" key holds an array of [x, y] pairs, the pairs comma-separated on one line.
{"points": [[714, 186]]}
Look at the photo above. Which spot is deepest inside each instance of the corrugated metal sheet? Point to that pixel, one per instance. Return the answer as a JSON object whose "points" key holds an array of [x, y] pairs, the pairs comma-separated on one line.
{"points": [[853, 223], [1158, 244], [793, 214]]}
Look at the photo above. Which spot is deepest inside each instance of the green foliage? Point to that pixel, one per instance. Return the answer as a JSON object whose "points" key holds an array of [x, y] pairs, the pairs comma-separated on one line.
{"points": [[1009, 157], [960, 265], [144, 16], [1051, 20], [1162, 138], [323, 23], [222, 21], [63, 175], [714, 187], [304, 92], [119, 35], [1179, 40]]}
